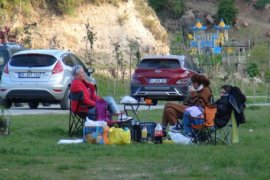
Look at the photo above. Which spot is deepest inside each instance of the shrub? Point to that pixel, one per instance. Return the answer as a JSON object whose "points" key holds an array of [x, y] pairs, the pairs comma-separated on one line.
{"points": [[227, 11], [260, 4]]}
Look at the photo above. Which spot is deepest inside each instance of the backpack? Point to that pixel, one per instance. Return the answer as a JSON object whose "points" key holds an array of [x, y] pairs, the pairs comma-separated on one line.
{"points": [[238, 100]]}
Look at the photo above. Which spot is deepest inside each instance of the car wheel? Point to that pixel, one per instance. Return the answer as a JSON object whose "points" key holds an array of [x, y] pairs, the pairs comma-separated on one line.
{"points": [[6, 103], [64, 103], [33, 105]]}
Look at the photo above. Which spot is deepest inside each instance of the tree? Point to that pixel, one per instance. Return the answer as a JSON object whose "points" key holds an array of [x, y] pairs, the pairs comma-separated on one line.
{"points": [[253, 71], [260, 54], [227, 11], [91, 38]]}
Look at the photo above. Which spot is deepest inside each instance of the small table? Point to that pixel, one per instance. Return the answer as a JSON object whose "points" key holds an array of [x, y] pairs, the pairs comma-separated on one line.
{"points": [[133, 108]]}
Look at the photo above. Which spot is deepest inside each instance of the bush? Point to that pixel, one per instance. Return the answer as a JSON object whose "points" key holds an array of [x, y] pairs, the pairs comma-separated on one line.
{"points": [[227, 11], [157, 5], [65, 6], [260, 4], [176, 7]]}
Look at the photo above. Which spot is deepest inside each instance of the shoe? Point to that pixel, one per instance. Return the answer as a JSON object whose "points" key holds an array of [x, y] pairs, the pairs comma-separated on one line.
{"points": [[176, 128], [123, 117]]}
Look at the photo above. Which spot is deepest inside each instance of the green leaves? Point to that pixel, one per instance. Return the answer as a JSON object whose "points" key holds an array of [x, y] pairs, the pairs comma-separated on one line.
{"points": [[253, 70], [227, 11]]}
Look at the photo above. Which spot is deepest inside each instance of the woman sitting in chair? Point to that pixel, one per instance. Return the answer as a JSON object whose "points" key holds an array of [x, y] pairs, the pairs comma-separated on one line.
{"points": [[88, 105], [222, 115], [200, 95]]}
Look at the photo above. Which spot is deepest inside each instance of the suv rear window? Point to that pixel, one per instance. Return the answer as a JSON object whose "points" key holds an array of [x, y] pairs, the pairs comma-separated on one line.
{"points": [[32, 60], [160, 63]]}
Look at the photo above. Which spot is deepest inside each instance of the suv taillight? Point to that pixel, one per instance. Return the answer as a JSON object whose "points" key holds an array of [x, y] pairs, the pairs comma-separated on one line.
{"points": [[6, 69], [57, 68]]}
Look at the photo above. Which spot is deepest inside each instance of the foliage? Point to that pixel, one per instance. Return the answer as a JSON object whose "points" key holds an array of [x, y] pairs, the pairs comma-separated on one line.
{"points": [[65, 6], [260, 53], [267, 75], [91, 38], [157, 5], [177, 45], [133, 52], [176, 7], [260, 4], [227, 11], [120, 62], [253, 70]]}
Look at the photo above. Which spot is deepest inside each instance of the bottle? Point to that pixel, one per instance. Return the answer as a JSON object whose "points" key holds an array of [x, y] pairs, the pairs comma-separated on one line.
{"points": [[158, 134], [144, 134], [136, 132]]}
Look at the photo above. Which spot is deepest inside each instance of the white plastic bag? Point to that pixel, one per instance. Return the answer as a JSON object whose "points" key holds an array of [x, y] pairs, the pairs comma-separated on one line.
{"points": [[90, 122], [179, 138], [128, 99]]}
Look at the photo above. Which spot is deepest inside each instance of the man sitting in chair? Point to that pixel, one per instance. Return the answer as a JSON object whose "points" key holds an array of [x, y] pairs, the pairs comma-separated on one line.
{"points": [[88, 105]]}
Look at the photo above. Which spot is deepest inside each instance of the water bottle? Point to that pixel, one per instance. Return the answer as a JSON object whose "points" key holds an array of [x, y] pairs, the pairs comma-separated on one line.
{"points": [[144, 134], [158, 134]]}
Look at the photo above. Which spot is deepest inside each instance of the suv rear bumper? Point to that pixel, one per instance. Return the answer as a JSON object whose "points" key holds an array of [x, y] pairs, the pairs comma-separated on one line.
{"points": [[159, 92]]}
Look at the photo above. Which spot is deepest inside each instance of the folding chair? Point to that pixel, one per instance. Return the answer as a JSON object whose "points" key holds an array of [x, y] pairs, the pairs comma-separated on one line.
{"points": [[76, 119], [223, 134], [202, 134]]}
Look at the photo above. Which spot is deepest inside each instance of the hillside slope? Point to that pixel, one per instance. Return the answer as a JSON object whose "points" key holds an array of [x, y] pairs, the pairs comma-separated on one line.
{"points": [[69, 32], [258, 20]]}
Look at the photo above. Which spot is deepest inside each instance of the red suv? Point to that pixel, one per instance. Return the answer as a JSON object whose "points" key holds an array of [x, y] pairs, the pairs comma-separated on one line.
{"points": [[163, 77]]}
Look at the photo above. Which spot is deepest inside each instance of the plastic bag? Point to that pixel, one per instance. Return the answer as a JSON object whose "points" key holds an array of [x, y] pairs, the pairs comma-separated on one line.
{"points": [[95, 132], [179, 138], [128, 99], [119, 136]]}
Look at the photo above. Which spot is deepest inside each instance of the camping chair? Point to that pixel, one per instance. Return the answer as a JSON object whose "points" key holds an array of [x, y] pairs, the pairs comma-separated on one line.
{"points": [[202, 134], [223, 134], [76, 119]]}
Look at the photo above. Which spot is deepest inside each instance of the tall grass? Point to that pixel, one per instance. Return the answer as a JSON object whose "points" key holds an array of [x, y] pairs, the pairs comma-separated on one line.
{"points": [[31, 152]]}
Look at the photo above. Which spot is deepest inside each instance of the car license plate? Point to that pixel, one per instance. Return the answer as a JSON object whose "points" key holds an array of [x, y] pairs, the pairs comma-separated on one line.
{"points": [[157, 81], [29, 74]]}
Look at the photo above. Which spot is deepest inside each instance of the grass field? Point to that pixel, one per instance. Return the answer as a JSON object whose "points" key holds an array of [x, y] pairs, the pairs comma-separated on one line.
{"points": [[31, 152]]}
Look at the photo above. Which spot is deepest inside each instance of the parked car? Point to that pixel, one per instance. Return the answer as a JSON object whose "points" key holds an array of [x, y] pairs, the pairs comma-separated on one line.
{"points": [[35, 76], [163, 77], [6, 51]]}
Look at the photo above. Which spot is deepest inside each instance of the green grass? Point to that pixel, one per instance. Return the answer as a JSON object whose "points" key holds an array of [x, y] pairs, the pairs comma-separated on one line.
{"points": [[31, 152]]}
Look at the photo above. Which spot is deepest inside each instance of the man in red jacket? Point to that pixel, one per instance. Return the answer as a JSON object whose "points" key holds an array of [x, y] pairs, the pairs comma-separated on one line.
{"points": [[88, 104]]}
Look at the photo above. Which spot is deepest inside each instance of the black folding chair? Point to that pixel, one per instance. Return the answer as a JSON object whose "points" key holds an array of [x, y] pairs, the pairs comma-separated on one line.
{"points": [[76, 119]]}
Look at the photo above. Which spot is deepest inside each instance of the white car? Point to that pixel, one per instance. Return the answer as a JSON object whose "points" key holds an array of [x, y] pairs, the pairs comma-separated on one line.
{"points": [[39, 76]]}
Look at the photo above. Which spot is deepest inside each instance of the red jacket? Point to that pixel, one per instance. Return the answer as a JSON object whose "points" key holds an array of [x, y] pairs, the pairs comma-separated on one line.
{"points": [[89, 95]]}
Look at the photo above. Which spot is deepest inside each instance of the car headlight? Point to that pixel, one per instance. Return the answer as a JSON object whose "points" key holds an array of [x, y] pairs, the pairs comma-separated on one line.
{"points": [[135, 81], [182, 82]]}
